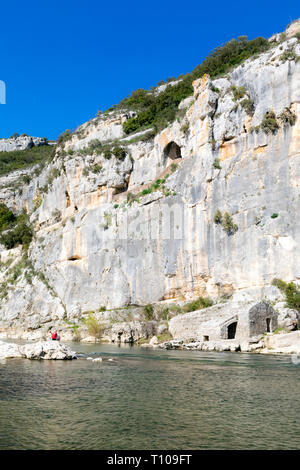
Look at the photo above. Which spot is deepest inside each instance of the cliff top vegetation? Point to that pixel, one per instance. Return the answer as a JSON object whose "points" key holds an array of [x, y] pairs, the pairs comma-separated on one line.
{"points": [[20, 159], [157, 110]]}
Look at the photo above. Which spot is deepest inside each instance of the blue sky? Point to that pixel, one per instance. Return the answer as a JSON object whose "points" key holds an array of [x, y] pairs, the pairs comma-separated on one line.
{"points": [[63, 60]]}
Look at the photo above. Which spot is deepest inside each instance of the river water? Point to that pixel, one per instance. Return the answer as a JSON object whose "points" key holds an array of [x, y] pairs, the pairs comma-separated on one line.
{"points": [[149, 399]]}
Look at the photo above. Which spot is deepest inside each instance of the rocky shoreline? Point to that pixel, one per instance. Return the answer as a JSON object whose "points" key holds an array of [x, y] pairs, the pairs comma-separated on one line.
{"points": [[281, 343], [40, 350], [243, 323]]}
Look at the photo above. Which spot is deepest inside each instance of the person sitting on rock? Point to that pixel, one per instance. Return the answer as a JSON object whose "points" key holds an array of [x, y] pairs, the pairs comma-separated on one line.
{"points": [[54, 336]]}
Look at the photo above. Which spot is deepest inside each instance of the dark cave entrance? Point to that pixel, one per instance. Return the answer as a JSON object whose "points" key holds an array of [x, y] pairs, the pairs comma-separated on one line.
{"points": [[231, 330], [172, 151]]}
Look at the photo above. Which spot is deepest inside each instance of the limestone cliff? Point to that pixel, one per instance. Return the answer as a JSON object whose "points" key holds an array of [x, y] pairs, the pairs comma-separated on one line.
{"points": [[22, 142], [103, 238]]}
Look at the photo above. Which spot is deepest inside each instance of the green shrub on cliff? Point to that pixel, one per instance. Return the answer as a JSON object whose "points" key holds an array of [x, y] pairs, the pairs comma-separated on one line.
{"points": [[138, 100], [17, 231], [146, 191], [248, 105], [76, 333], [149, 312], [217, 164], [218, 217], [119, 153], [228, 225], [64, 136], [288, 117], [291, 291], [6, 217], [289, 54], [231, 54], [226, 221], [201, 302], [107, 154], [21, 235], [15, 160], [94, 326], [159, 110], [185, 128], [269, 123], [96, 168], [238, 92]]}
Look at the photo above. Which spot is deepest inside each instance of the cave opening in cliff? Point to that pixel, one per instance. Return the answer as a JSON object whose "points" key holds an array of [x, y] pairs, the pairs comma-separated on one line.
{"points": [[172, 151], [121, 189], [268, 320], [68, 200], [231, 330], [74, 258]]}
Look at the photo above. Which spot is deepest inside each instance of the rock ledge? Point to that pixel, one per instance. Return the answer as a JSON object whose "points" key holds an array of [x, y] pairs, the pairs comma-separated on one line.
{"points": [[40, 350]]}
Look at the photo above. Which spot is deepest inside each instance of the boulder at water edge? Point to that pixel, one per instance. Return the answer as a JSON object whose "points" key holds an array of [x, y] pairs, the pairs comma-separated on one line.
{"points": [[39, 350]]}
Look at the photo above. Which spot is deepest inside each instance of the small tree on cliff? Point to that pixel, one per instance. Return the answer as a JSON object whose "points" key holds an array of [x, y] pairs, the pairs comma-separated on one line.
{"points": [[94, 327]]}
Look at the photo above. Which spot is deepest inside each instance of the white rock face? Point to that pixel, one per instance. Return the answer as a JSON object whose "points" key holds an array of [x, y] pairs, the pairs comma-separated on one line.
{"points": [[283, 343], [288, 318], [105, 128], [9, 350], [39, 350], [96, 248], [21, 143], [186, 102], [162, 328], [293, 28], [217, 345], [153, 340], [129, 332], [162, 88]]}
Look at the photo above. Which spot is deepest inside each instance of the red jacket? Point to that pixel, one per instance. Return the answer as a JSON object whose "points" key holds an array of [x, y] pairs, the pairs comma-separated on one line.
{"points": [[54, 336]]}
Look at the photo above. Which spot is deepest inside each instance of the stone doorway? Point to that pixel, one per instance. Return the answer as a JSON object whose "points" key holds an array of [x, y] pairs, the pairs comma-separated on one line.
{"points": [[231, 330]]}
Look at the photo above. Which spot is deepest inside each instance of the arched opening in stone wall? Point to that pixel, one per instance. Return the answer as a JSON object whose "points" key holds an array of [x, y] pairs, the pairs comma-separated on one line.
{"points": [[172, 151], [231, 330]]}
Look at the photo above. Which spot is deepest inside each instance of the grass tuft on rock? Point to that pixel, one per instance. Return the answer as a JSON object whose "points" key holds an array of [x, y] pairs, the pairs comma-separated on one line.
{"points": [[201, 302]]}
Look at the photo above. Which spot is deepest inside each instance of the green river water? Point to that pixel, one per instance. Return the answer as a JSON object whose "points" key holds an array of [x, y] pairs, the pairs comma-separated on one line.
{"points": [[150, 399]]}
